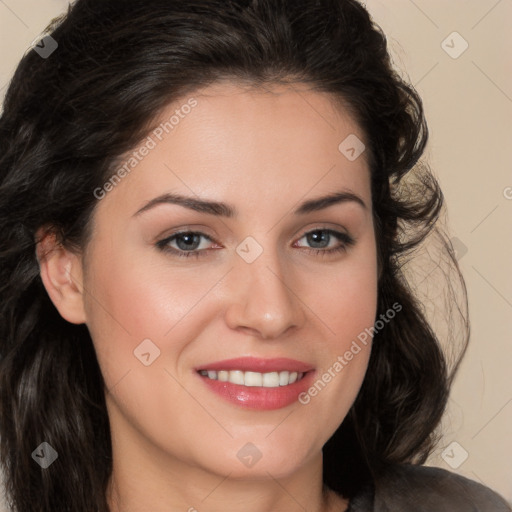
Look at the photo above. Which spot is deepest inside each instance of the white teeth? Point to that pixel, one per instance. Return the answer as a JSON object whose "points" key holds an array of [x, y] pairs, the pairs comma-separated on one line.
{"points": [[271, 380], [236, 377], [254, 379]]}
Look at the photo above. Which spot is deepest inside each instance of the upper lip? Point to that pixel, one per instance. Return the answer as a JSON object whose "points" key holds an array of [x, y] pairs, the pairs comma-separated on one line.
{"points": [[256, 364]]}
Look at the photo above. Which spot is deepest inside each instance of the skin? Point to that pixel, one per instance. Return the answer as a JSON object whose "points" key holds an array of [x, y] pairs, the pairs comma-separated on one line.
{"points": [[175, 443]]}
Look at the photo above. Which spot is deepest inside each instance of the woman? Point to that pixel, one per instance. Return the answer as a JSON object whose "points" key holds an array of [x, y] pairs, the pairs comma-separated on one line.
{"points": [[205, 210]]}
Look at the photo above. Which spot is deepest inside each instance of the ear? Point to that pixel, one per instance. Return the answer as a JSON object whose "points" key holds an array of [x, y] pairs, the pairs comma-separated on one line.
{"points": [[61, 273]]}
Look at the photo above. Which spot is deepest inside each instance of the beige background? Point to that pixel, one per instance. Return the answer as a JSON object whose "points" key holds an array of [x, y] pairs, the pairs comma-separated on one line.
{"points": [[468, 103]]}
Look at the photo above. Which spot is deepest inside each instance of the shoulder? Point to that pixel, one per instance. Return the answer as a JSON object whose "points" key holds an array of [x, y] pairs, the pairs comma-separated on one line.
{"points": [[405, 487]]}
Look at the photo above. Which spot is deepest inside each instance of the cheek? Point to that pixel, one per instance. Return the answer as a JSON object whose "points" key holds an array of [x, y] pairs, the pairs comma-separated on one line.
{"points": [[142, 296], [129, 302], [344, 296], [347, 307]]}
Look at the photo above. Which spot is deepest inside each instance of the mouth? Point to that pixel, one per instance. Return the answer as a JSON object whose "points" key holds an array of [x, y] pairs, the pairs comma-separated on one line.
{"points": [[260, 384]]}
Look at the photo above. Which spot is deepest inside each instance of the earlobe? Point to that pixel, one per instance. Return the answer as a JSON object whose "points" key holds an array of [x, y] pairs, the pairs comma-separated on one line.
{"points": [[61, 273]]}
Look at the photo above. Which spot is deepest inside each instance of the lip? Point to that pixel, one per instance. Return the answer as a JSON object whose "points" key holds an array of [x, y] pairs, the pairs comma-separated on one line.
{"points": [[258, 398], [256, 364]]}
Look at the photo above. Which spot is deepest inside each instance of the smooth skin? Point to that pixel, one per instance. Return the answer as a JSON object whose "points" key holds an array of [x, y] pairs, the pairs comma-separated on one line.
{"points": [[264, 152]]}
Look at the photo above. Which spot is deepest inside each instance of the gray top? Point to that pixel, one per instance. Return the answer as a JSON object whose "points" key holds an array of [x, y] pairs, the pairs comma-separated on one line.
{"points": [[409, 488]]}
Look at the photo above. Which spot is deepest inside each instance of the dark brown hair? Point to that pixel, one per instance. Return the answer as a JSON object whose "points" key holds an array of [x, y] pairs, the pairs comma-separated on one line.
{"points": [[68, 118]]}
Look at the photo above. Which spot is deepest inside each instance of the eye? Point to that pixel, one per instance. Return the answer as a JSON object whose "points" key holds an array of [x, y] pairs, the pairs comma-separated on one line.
{"points": [[322, 238], [189, 243]]}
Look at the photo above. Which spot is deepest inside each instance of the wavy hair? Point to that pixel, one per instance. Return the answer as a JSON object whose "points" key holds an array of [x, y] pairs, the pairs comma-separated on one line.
{"points": [[67, 120]]}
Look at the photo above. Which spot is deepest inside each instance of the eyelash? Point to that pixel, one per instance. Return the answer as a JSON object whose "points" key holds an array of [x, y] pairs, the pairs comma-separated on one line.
{"points": [[347, 241]]}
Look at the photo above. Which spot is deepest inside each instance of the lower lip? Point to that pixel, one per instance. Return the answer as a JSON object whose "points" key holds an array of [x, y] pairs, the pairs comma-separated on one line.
{"points": [[260, 398]]}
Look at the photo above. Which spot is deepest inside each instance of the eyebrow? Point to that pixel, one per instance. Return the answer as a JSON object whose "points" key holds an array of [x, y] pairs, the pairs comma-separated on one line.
{"points": [[225, 210]]}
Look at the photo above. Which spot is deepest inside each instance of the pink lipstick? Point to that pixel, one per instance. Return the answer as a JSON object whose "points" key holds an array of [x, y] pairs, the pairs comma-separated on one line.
{"points": [[255, 383]]}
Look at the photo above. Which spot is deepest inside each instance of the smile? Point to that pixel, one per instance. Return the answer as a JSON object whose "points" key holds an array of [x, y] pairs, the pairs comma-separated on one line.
{"points": [[254, 379], [257, 383]]}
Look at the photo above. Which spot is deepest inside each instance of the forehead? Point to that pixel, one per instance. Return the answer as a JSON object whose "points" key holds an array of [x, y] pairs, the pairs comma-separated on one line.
{"points": [[258, 145]]}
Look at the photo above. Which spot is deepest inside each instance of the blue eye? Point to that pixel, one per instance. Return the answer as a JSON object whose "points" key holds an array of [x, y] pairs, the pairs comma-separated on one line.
{"points": [[319, 236], [188, 242]]}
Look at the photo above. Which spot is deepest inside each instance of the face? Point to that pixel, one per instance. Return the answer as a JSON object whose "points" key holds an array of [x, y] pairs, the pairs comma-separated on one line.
{"points": [[226, 335]]}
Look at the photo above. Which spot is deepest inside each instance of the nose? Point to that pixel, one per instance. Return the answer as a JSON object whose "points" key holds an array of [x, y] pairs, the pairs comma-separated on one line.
{"points": [[263, 301]]}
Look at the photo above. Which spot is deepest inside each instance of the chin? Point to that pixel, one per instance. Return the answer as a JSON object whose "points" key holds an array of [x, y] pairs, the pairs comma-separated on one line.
{"points": [[263, 455]]}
